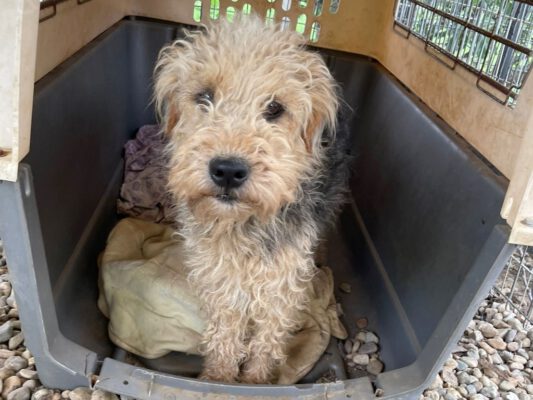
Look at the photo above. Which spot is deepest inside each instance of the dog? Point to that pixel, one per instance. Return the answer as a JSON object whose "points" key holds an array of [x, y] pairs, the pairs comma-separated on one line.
{"points": [[258, 169]]}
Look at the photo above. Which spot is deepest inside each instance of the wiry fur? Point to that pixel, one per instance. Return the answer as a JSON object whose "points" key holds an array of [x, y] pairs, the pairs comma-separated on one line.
{"points": [[251, 260]]}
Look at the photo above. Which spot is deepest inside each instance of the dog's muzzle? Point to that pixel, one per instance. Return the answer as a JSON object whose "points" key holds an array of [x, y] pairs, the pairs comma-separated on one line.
{"points": [[228, 173]]}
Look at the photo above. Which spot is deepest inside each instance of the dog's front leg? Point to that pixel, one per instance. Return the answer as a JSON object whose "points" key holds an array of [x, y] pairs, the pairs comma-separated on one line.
{"points": [[223, 347], [266, 350]]}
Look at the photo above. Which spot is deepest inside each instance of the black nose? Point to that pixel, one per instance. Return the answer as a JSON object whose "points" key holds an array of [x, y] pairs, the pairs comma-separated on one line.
{"points": [[228, 173]]}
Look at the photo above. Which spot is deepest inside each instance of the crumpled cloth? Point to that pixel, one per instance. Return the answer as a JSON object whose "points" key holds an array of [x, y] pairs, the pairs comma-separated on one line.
{"points": [[143, 192], [152, 310]]}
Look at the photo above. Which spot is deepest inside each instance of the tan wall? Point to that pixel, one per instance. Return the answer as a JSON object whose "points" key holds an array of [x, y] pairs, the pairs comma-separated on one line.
{"points": [[73, 27]]}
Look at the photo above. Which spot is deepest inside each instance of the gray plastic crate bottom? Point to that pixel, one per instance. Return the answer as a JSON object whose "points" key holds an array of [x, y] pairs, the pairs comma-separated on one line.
{"points": [[420, 243]]}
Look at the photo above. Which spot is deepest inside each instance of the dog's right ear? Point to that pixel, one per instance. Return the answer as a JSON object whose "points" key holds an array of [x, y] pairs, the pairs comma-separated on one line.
{"points": [[167, 84], [171, 119]]}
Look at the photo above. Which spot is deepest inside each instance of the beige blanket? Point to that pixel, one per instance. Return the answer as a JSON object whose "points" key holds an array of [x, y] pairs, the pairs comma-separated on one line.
{"points": [[153, 311]]}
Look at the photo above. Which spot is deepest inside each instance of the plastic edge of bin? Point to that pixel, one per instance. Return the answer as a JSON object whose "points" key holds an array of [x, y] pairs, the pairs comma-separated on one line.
{"points": [[410, 381], [60, 362], [140, 383]]}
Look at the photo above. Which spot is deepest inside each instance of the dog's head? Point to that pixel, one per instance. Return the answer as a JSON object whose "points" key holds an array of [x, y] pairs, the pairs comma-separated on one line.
{"points": [[245, 106]]}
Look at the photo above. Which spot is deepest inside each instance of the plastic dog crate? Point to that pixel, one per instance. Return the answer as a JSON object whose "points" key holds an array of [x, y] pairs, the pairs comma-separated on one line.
{"points": [[420, 242]]}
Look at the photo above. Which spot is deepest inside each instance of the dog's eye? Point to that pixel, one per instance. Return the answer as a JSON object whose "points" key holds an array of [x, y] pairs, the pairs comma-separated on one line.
{"points": [[273, 111], [205, 97]]}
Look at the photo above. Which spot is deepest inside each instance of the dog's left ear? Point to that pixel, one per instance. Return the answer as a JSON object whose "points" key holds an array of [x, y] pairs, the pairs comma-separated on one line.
{"points": [[324, 103]]}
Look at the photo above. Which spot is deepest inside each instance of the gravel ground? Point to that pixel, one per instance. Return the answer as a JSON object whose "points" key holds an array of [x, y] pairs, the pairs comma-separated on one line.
{"points": [[493, 360]]}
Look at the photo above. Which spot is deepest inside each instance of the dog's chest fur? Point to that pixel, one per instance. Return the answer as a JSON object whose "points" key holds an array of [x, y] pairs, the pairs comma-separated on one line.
{"points": [[248, 268]]}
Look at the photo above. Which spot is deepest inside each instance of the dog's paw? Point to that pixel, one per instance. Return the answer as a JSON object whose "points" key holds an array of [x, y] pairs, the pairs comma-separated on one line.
{"points": [[255, 377], [218, 377]]}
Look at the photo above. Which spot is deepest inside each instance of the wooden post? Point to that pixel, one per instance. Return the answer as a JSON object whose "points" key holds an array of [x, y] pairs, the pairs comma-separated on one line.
{"points": [[19, 23]]}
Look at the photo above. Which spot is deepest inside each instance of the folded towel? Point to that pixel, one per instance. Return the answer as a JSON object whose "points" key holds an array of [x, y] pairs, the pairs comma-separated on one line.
{"points": [[152, 310]]}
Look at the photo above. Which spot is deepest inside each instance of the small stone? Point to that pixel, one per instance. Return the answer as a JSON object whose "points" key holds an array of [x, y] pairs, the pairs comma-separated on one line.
{"points": [[477, 373], [526, 342], [516, 324], [486, 382], [6, 331], [16, 363], [6, 373], [487, 348], [5, 288], [5, 353], [432, 395], [451, 394], [519, 359], [529, 389], [28, 374], [470, 361], [437, 383], [524, 396], [490, 372], [490, 392], [361, 323], [22, 393], [478, 397], [378, 393], [506, 355], [476, 336], [345, 287], [56, 396], [471, 390], [517, 366], [510, 335], [31, 384], [497, 343], [450, 378], [11, 300], [451, 363], [499, 324], [473, 353], [478, 385], [510, 396], [101, 395], [16, 341], [80, 393], [355, 346], [496, 359], [42, 394], [464, 378], [461, 366], [513, 346], [506, 386], [375, 367], [361, 336], [488, 330], [359, 359], [523, 353], [368, 348], [10, 384], [371, 338], [348, 346]]}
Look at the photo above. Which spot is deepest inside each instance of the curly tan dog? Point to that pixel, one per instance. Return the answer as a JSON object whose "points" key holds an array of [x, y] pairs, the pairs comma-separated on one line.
{"points": [[257, 173]]}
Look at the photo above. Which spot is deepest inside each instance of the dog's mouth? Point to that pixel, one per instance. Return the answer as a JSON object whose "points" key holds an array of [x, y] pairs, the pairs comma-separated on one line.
{"points": [[227, 198]]}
